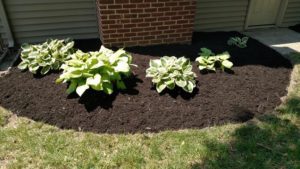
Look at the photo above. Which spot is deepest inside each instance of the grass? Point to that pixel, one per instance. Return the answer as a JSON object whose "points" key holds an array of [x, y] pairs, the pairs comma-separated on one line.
{"points": [[271, 141]]}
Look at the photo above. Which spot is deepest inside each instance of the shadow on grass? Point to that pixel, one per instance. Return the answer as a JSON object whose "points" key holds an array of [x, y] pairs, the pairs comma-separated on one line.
{"points": [[292, 106], [268, 142]]}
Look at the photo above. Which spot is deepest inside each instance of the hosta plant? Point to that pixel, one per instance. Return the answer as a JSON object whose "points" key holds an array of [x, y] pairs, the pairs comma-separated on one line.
{"points": [[101, 71], [167, 72], [45, 57], [239, 42], [209, 61]]}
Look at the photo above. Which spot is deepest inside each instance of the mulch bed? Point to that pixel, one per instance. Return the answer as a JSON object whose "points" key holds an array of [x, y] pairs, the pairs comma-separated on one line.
{"points": [[260, 79], [296, 28]]}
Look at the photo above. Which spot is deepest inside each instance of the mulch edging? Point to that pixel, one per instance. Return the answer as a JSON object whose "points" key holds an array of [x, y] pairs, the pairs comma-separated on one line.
{"points": [[260, 79]]}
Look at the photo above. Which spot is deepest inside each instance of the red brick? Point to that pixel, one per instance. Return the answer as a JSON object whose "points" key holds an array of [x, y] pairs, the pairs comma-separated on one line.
{"points": [[155, 5], [121, 1], [129, 6], [136, 1], [145, 22], [150, 10], [157, 23]]}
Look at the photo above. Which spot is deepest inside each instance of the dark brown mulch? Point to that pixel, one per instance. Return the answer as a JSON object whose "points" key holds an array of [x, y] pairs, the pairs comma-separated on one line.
{"points": [[296, 28], [260, 79]]}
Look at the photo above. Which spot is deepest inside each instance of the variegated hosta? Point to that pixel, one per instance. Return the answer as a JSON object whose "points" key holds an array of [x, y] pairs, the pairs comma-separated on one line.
{"points": [[99, 70], [47, 56], [167, 72], [239, 42], [209, 61]]}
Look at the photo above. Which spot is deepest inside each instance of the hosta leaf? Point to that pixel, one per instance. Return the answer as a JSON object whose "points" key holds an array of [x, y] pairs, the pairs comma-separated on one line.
{"points": [[98, 70], [181, 82], [45, 70], [171, 86], [189, 87], [94, 63], [116, 56], [155, 63], [94, 81], [72, 87], [122, 67], [108, 88], [45, 55], [227, 64], [206, 52], [23, 65], [121, 84], [75, 74], [56, 65], [210, 62], [160, 87], [81, 89], [165, 70], [224, 56], [97, 87]]}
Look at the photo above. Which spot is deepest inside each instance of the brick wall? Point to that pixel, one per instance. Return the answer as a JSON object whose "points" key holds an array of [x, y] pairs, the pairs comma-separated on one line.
{"points": [[145, 22]]}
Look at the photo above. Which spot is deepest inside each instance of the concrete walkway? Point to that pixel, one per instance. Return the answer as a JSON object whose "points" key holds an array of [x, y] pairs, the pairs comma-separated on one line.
{"points": [[283, 40]]}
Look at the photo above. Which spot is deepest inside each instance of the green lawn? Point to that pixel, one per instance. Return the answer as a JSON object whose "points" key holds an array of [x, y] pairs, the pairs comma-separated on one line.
{"points": [[266, 142]]}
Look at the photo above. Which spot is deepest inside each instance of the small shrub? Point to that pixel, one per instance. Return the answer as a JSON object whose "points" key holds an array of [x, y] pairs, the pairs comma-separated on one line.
{"points": [[45, 57], [209, 61], [97, 70], [167, 72], [239, 42]]}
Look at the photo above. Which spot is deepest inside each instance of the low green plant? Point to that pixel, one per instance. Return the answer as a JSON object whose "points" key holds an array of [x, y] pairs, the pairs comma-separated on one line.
{"points": [[99, 70], [167, 72], [239, 42], [209, 61], [45, 57]]}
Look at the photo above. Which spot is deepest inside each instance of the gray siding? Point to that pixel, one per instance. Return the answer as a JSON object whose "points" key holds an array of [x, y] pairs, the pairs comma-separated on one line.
{"points": [[292, 14], [214, 15], [36, 20], [2, 31]]}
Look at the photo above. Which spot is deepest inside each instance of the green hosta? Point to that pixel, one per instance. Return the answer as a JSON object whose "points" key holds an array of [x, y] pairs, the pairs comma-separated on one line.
{"points": [[45, 57], [239, 42], [99, 70], [167, 72], [209, 61]]}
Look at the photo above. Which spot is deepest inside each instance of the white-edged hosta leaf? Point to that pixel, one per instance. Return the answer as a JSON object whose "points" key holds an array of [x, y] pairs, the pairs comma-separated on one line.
{"points": [[227, 64], [23, 65], [45, 70], [81, 89], [94, 81], [122, 67], [160, 87], [155, 63], [181, 82]]}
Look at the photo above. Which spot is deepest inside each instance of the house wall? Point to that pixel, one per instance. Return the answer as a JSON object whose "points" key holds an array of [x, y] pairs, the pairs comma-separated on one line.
{"points": [[215, 15], [145, 22], [36, 20], [292, 14], [2, 32]]}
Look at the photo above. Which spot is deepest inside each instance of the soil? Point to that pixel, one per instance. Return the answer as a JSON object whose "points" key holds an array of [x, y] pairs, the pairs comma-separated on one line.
{"points": [[258, 81], [296, 28]]}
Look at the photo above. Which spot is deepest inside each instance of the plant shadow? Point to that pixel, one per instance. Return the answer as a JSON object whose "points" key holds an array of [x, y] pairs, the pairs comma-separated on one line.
{"points": [[267, 142], [92, 99], [175, 93]]}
